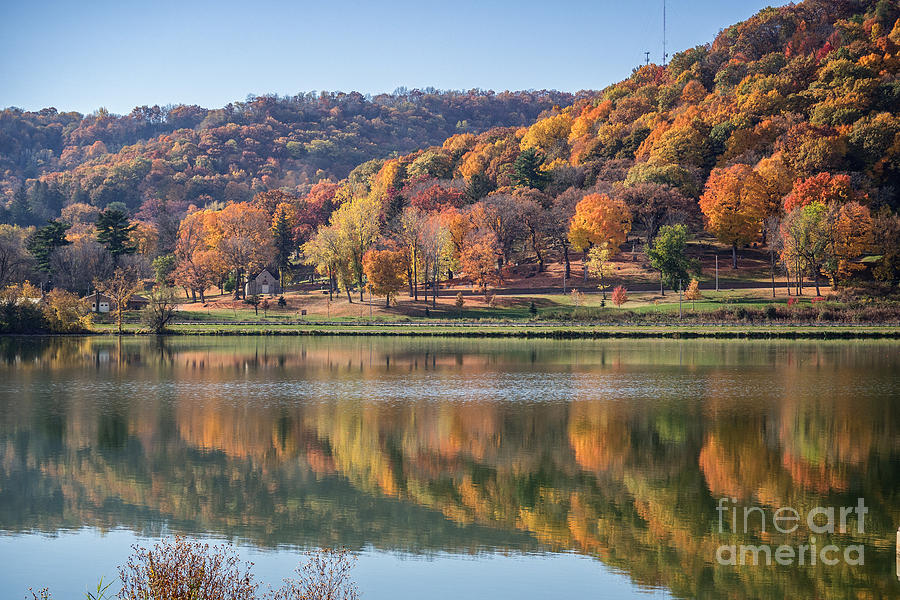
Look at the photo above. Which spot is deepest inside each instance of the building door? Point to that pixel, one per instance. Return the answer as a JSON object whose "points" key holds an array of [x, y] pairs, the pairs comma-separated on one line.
{"points": [[265, 288]]}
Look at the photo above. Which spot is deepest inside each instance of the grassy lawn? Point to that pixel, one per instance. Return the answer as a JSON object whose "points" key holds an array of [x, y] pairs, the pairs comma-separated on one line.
{"points": [[537, 313]]}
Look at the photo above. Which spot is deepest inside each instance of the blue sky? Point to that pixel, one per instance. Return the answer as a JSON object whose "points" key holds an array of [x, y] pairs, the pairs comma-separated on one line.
{"points": [[83, 55]]}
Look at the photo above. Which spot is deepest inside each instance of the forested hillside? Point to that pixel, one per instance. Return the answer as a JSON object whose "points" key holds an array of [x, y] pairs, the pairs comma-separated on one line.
{"points": [[192, 154], [783, 134], [783, 131]]}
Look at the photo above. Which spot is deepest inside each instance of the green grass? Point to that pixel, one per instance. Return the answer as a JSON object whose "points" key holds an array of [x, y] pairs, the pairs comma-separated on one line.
{"points": [[540, 330]]}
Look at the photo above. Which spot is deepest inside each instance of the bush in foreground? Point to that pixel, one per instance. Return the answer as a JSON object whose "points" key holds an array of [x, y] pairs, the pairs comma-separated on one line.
{"points": [[182, 569]]}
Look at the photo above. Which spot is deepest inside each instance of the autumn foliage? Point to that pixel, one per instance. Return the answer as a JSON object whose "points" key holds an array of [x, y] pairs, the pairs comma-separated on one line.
{"points": [[385, 271], [599, 220], [619, 295]]}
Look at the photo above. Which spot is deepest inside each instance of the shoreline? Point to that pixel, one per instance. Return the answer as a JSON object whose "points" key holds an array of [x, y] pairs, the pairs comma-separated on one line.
{"points": [[525, 331]]}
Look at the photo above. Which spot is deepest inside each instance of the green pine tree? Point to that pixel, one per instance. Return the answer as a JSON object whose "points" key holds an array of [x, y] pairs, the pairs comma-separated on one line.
{"points": [[45, 240], [19, 209], [284, 243], [113, 228], [527, 170]]}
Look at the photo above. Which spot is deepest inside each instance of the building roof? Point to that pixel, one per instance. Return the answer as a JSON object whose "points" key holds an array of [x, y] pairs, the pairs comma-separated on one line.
{"points": [[134, 298]]}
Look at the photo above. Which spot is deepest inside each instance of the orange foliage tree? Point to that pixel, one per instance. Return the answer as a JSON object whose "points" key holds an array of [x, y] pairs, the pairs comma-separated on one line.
{"points": [[849, 236], [478, 260], [734, 205], [384, 271], [244, 239], [198, 264], [599, 221], [824, 188]]}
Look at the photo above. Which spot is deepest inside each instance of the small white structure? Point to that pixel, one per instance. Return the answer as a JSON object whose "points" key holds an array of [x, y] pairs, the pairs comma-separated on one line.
{"points": [[107, 304], [104, 304]]}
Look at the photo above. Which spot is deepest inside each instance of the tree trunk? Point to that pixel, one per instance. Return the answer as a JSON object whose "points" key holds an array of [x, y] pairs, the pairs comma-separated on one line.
{"points": [[734, 256], [349, 298], [772, 256], [568, 264], [537, 252], [662, 291], [434, 292], [415, 279]]}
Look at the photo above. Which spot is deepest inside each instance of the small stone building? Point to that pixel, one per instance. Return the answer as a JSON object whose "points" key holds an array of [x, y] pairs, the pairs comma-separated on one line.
{"points": [[262, 283]]}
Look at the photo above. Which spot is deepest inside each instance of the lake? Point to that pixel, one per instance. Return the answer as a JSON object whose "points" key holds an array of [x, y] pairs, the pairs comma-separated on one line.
{"points": [[460, 468]]}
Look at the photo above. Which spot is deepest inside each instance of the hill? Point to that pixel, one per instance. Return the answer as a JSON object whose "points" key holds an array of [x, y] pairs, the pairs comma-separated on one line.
{"points": [[806, 88], [193, 155]]}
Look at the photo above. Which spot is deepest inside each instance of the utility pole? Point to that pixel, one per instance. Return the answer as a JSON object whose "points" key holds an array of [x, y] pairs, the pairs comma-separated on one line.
{"points": [[680, 286], [717, 272]]}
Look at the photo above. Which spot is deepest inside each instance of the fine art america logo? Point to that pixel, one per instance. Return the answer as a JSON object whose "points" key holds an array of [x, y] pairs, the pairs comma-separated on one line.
{"points": [[820, 520]]}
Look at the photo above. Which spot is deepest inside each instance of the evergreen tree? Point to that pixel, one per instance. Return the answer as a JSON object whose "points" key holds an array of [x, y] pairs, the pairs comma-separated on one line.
{"points": [[19, 209], [45, 240], [113, 228], [38, 201], [478, 187], [526, 170], [284, 242]]}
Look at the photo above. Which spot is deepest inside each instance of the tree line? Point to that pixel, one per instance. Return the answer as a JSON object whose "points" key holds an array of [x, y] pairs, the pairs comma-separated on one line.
{"points": [[782, 134]]}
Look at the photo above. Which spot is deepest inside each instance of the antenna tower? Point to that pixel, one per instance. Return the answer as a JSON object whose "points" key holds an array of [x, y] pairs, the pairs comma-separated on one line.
{"points": [[665, 54]]}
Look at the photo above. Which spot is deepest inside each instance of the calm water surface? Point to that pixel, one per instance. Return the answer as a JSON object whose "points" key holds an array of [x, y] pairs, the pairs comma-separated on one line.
{"points": [[458, 468]]}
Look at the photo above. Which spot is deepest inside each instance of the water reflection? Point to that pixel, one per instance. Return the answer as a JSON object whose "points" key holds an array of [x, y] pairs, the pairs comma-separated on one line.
{"points": [[617, 450]]}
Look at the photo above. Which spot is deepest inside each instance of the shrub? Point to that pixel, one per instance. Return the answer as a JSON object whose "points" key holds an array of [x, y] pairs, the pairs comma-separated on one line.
{"points": [[175, 569], [324, 576], [65, 312], [460, 301], [160, 310], [692, 292], [792, 300], [577, 298]]}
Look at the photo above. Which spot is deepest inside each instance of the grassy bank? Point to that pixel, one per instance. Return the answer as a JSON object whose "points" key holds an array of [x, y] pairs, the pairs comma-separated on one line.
{"points": [[540, 330], [748, 313]]}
